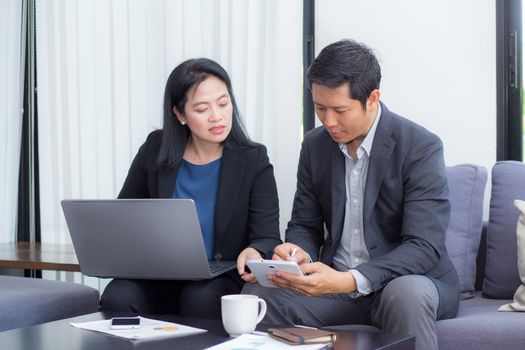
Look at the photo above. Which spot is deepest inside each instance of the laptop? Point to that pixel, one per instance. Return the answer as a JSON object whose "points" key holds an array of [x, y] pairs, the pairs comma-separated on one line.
{"points": [[140, 239]]}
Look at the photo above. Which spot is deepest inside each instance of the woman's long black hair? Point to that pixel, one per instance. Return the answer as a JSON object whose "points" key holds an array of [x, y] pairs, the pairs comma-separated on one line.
{"points": [[175, 136]]}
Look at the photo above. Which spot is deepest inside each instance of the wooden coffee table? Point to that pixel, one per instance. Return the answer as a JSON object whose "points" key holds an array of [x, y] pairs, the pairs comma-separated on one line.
{"points": [[60, 335]]}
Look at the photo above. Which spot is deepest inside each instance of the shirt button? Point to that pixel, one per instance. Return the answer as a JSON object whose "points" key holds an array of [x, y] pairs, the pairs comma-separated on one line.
{"points": [[355, 172], [356, 231], [356, 260], [355, 201]]}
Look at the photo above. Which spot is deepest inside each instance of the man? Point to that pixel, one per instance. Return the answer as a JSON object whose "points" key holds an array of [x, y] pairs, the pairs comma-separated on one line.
{"points": [[371, 209]]}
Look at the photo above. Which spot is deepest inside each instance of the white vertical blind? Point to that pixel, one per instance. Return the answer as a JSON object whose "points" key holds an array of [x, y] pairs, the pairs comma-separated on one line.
{"points": [[11, 99], [102, 66]]}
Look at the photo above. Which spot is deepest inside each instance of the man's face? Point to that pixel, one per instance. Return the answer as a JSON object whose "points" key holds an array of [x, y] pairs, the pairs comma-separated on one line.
{"points": [[343, 117]]}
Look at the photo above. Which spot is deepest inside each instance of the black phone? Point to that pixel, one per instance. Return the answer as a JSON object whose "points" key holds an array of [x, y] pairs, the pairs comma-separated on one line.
{"points": [[125, 323]]}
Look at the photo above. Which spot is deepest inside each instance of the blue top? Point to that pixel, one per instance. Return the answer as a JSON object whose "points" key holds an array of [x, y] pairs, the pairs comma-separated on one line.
{"points": [[200, 183]]}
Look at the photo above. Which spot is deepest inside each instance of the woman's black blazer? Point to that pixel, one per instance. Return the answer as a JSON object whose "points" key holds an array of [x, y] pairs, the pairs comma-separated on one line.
{"points": [[247, 207]]}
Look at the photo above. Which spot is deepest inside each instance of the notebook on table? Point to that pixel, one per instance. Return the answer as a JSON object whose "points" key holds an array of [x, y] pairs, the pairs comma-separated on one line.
{"points": [[140, 239]]}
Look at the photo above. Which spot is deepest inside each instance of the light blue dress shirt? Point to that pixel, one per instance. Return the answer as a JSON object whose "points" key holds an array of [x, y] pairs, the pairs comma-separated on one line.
{"points": [[352, 250]]}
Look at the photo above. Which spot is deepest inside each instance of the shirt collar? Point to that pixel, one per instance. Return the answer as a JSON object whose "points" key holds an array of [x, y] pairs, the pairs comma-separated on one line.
{"points": [[366, 145]]}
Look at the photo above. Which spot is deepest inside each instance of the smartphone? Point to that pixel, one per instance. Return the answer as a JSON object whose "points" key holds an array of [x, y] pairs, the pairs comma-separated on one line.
{"points": [[262, 268], [125, 323]]}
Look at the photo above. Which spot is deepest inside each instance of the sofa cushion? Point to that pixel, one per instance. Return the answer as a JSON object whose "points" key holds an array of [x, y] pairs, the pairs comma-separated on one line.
{"points": [[467, 184], [501, 270], [519, 296], [29, 301], [478, 326]]}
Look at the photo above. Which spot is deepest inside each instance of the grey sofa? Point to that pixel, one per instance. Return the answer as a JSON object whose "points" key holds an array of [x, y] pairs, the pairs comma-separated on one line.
{"points": [[485, 258], [30, 301]]}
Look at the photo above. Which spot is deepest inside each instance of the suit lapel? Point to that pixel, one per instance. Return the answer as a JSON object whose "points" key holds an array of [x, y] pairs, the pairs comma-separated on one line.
{"points": [[382, 148], [338, 192], [230, 181], [167, 178]]}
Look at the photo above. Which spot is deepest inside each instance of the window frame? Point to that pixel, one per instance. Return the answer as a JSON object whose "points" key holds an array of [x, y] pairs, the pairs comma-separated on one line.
{"points": [[509, 80]]}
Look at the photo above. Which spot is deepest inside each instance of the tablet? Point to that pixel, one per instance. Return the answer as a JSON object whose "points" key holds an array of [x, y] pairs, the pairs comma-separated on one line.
{"points": [[262, 268]]}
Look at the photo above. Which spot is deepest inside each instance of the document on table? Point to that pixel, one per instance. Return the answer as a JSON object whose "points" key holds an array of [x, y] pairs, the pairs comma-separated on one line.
{"points": [[149, 329], [263, 342]]}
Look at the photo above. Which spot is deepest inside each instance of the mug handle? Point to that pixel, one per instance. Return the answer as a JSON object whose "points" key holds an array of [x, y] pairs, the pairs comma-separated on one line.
{"points": [[263, 310]]}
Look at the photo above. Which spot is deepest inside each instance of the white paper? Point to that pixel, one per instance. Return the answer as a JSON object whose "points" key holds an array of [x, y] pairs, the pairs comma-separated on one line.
{"points": [[149, 329], [263, 342]]}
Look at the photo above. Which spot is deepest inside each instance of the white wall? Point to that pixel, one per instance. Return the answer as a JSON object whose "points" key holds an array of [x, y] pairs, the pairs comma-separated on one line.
{"points": [[438, 60]]}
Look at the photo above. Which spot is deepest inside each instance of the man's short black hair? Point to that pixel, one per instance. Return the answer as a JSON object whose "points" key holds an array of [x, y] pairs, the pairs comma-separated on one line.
{"points": [[347, 61]]}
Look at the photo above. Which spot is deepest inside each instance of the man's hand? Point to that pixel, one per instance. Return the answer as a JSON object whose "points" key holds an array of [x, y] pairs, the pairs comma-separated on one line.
{"points": [[319, 279], [248, 253], [291, 252]]}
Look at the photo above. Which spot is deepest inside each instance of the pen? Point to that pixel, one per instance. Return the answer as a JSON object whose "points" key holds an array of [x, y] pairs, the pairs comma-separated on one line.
{"points": [[306, 327], [165, 328]]}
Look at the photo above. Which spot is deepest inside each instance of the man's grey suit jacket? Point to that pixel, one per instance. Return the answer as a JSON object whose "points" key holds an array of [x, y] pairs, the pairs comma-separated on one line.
{"points": [[405, 210]]}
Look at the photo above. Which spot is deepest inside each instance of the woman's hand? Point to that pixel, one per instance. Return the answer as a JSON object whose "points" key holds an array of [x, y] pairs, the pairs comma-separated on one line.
{"points": [[248, 253], [291, 252]]}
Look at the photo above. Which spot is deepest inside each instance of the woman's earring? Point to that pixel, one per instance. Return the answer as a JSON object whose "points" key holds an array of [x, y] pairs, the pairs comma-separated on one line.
{"points": [[183, 123]]}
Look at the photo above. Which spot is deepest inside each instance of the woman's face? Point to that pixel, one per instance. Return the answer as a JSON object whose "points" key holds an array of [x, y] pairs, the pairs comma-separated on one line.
{"points": [[208, 111]]}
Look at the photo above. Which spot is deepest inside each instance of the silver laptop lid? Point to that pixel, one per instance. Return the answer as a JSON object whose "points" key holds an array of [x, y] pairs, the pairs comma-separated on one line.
{"points": [[137, 238]]}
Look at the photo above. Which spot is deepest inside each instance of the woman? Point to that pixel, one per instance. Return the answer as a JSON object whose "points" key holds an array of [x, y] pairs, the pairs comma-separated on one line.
{"points": [[203, 153]]}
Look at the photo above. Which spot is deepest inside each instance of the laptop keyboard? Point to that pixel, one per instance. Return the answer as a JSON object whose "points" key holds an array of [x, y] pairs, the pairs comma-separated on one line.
{"points": [[216, 266]]}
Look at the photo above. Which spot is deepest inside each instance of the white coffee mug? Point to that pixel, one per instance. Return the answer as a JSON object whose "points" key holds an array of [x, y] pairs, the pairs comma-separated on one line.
{"points": [[240, 313]]}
